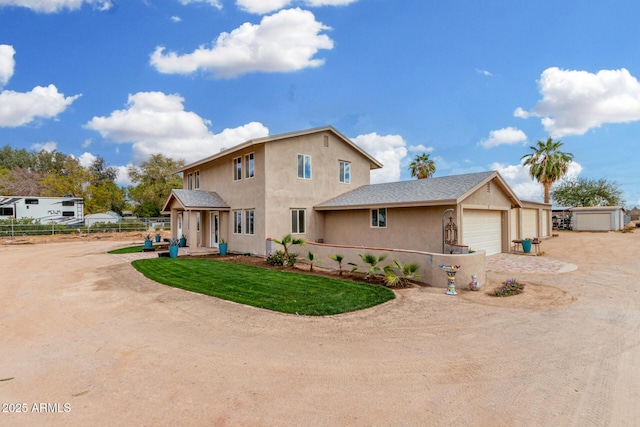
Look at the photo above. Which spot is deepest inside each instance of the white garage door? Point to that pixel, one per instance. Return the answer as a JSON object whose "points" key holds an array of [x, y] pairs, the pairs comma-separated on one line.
{"points": [[593, 222], [482, 230], [529, 223]]}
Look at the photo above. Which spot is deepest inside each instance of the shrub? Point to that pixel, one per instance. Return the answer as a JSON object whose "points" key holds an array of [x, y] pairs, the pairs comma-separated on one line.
{"points": [[508, 288], [404, 273], [338, 258], [278, 257]]}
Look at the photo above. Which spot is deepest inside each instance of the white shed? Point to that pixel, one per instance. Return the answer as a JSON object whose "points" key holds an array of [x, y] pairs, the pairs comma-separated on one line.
{"points": [[104, 217], [597, 218]]}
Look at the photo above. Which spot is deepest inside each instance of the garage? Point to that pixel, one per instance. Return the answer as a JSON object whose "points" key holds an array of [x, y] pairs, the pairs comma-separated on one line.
{"points": [[529, 223], [482, 230], [597, 218]]}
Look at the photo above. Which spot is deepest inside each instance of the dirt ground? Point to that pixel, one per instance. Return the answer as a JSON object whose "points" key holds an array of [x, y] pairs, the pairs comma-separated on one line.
{"points": [[86, 340]]}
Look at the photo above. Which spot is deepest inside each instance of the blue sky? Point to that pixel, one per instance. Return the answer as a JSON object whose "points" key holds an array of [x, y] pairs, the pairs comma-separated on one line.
{"points": [[472, 83]]}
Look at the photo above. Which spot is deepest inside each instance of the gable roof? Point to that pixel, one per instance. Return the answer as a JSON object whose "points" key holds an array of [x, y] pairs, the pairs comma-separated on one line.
{"points": [[196, 199], [374, 164], [421, 192]]}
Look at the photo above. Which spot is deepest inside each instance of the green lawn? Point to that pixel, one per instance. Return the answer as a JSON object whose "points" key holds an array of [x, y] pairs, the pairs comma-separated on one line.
{"points": [[127, 250], [282, 291]]}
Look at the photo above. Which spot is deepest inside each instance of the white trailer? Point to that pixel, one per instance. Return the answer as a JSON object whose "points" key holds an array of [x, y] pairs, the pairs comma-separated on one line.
{"points": [[61, 210]]}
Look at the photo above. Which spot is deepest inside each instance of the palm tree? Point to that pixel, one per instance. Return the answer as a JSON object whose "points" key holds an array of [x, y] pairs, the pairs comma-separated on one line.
{"points": [[286, 242], [547, 163], [422, 166]]}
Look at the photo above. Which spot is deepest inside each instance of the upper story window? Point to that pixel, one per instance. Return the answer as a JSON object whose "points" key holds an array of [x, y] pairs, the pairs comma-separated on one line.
{"points": [[379, 218], [249, 170], [190, 181], [304, 166], [197, 180], [345, 172], [237, 168]]}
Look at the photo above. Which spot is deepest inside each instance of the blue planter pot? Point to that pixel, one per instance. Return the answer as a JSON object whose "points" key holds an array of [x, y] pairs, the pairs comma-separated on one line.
{"points": [[223, 248], [173, 252], [526, 246], [157, 239], [148, 244], [183, 242]]}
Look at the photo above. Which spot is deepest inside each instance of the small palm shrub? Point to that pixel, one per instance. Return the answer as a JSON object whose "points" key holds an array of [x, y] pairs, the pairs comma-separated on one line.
{"points": [[508, 288], [373, 261], [286, 242], [278, 258], [398, 274], [338, 258]]}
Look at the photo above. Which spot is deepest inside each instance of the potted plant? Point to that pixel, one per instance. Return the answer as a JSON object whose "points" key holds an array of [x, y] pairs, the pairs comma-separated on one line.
{"points": [[158, 236], [223, 247], [183, 241], [147, 242], [526, 245], [173, 248]]}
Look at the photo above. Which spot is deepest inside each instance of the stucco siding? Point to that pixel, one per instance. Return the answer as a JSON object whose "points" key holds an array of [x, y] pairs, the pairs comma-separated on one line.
{"points": [[489, 195]]}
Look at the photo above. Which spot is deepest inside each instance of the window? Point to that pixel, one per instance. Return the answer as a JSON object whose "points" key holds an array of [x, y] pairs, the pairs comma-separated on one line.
{"points": [[68, 203], [237, 169], [379, 217], [249, 219], [197, 179], [248, 166], [304, 166], [197, 221], [326, 140], [190, 181], [237, 222], [6, 211], [345, 172], [298, 223], [30, 201], [68, 213]]}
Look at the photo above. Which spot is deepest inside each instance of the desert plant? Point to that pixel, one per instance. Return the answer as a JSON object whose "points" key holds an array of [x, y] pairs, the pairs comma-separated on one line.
{"points": [[279, 258], [312, 258], [398, 274], [286, 242], [373, 261], [338, 258], [174, 242], [147, 238], [508, 288]]}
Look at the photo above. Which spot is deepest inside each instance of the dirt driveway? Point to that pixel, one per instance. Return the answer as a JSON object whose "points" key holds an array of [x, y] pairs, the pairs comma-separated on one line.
{"points": [[84, 334]]}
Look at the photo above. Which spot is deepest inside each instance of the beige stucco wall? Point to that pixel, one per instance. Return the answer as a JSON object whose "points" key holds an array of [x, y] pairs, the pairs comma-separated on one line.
{"points": [[429, 263], [418, 228], [285, 191]]}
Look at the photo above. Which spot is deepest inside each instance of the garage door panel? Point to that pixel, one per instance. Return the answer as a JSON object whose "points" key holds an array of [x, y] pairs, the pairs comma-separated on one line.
{"points": [[529, 223], [482, 230]]}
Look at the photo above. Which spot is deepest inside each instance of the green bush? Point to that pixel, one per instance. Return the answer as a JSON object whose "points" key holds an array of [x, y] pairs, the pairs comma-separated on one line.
{"points": [[278, 257]]}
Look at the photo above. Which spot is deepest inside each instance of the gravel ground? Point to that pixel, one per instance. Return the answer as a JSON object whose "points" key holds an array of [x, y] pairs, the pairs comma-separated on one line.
{"points": [[86, 340]]}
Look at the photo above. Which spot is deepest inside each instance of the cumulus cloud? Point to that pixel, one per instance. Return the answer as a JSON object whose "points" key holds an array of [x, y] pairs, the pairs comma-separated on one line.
{"points": [[518, 178], [268, 6], [504, 136], [157, 123], [54, 6], [388, 150], [176, 19], [484, 72], [7, 63], [575, 101], [420, 148], [17, 108], [284, 42], [49, 146]]}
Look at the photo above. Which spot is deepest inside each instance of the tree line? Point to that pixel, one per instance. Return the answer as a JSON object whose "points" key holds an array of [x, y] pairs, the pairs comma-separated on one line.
{"points": [[55, 174]]}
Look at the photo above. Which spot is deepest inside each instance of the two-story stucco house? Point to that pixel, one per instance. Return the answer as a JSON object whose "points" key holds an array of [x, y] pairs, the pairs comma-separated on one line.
{"points": [[315, 184]]}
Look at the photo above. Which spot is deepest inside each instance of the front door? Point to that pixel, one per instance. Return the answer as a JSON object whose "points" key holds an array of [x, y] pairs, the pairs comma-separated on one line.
{"points": [[179, 234], [215, 229]]}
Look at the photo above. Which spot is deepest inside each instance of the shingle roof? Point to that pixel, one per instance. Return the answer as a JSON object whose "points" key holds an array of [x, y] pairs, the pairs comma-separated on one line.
{"points": [[414, 192], [200, 199]]}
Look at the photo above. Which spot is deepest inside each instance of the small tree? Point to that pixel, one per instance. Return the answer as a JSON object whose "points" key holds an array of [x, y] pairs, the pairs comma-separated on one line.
{"points": [[403, 274], [311, 257], [588, 192], [373, 262], [338, 258], [286, 242]]}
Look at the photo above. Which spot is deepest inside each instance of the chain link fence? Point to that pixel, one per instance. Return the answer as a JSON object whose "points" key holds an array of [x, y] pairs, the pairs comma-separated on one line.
{"points": [[10, 228]]}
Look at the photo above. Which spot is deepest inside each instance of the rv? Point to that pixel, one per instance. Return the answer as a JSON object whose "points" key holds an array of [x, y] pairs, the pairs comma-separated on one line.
{"points": [[61, 210]]}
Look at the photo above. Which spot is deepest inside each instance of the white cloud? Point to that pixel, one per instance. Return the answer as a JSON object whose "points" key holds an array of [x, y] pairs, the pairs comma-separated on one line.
{"points": [[7, 63], [215, 3], [53, 6], [176, 18], [157, 123], [17, 109], [420, 148], [49, 146], [284, 42], [86, 159], [388, 150], [504, 136], [484, 72], [575, 101], [123, 175], [86, 143], [518, 178], [267, 6]]}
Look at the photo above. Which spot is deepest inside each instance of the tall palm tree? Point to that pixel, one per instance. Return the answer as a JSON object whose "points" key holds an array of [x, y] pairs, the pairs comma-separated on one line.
{"points": [[547, 163], [422, 166]]}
